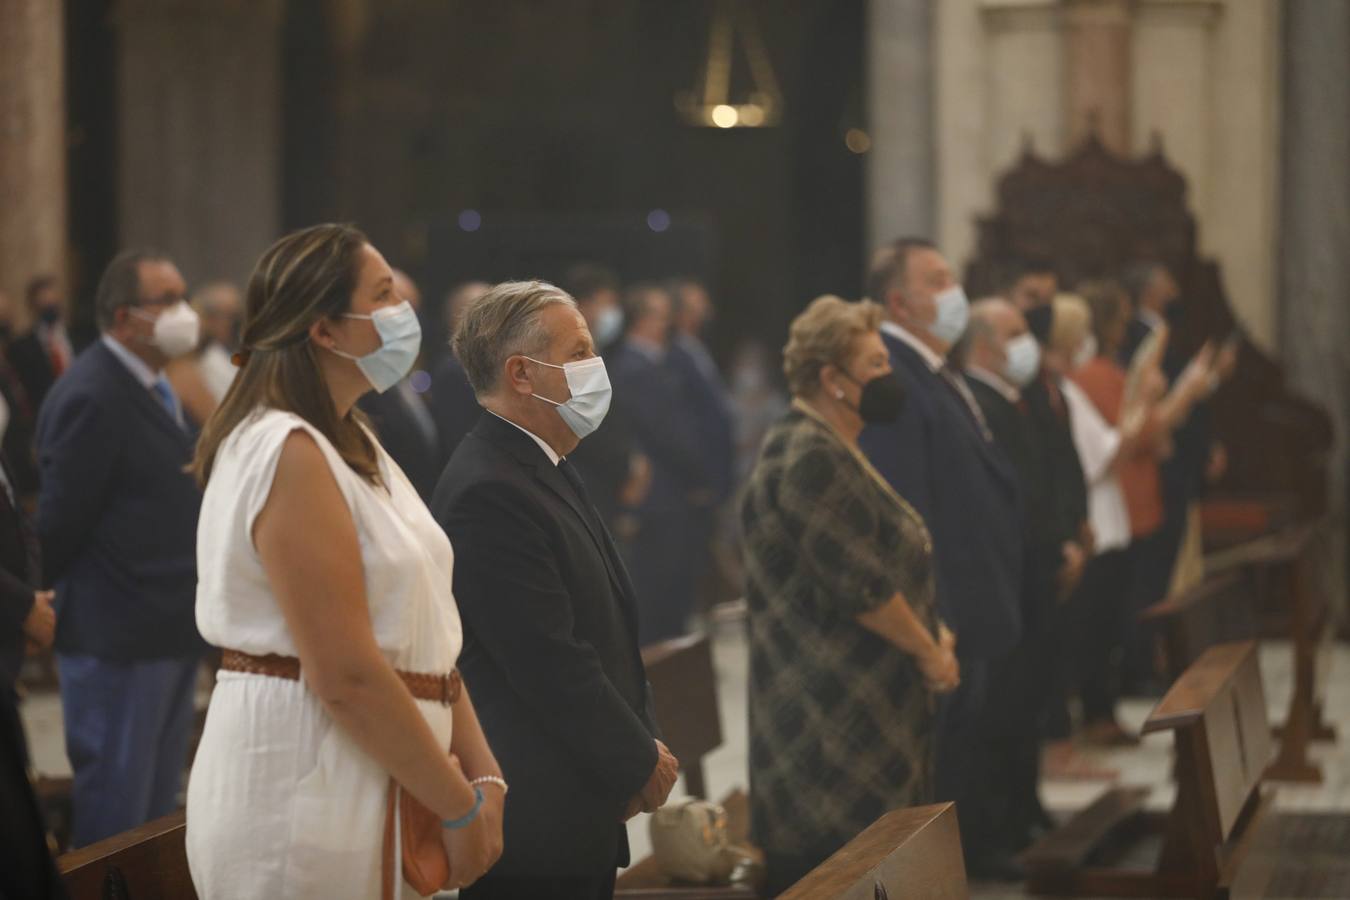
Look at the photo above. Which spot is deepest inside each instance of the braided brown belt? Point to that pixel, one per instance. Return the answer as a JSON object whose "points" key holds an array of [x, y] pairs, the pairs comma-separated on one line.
{"points": [[443, 689]]}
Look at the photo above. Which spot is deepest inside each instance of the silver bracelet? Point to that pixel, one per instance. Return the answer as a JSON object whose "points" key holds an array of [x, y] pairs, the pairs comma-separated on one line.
{"points": [[491, 779]]}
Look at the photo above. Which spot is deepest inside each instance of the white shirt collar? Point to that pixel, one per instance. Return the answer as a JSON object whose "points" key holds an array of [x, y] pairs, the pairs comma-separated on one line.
{"points": [[1010, 393], [543, 444], [1151, 318], [925, 352], [135, 365]]}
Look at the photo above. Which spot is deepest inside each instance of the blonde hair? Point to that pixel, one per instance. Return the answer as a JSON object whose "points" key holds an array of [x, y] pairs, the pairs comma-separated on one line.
{"points": [[1072, 322], [824, 334], [502, 323]]}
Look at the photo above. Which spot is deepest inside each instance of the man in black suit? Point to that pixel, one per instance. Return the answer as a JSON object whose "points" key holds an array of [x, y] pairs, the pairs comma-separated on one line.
{"points": [[550, 617], [941, 456], [1003, 367], [43, 354], [403, 416], [26, 619], [117, 518]]}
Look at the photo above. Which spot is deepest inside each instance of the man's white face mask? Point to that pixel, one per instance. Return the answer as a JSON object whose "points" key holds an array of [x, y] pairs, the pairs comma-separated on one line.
{"points": [[588, 381]]}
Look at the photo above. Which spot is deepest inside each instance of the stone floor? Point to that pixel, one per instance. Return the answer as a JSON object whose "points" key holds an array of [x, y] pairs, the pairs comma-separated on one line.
{"points": [[1148, 764]]}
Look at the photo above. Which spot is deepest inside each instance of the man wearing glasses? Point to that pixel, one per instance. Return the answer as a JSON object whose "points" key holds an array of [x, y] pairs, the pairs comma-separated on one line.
{"points": [[117, 518]]}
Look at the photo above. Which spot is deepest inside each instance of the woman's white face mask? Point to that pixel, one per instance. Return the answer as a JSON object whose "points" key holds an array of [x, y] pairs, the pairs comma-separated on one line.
{"points": [[400, 342], [588, 381]]}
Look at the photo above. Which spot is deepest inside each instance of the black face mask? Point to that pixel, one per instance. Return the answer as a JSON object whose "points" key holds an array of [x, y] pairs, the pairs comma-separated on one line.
{"points": [[882, 399], [1175, 313]]}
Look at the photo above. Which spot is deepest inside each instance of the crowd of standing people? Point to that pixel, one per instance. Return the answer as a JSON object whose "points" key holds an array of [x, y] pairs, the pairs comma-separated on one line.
{"points": [[402, 546]]}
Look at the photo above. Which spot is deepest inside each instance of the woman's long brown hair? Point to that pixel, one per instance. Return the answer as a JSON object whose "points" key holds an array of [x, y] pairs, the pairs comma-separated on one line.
{"points": [[307, 275]]}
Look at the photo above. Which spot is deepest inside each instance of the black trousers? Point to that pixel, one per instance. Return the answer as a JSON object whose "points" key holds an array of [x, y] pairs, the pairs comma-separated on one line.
{"points": [[1103, 619], [1152, 560], [26, 868], [599, 887]]}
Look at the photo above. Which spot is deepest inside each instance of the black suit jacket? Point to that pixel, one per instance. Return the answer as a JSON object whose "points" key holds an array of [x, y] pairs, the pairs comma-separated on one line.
{"points": [[29, 359], [966, 490], [417, 453], [117, 516], [550, 653], [19, 575]]}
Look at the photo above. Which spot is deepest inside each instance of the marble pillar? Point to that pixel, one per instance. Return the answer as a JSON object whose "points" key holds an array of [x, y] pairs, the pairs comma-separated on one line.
{"points": [[1024, 81], [32, 143], [1097, 71], [199, 112], [900, 164], [1314, 272]]}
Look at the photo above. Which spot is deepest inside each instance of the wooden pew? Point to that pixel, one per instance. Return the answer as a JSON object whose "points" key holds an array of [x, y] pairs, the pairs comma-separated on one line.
{"points": [[146, 863], [1217, 714], [1280, 566], [907, 853], [684, 691]]}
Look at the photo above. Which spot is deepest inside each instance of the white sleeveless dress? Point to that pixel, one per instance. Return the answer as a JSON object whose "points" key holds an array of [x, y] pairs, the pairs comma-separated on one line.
{"points": [[281, 802]]}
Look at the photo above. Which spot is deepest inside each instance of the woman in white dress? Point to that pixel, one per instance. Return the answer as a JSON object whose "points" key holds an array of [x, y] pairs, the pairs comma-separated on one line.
{"points": [[328, 585]]}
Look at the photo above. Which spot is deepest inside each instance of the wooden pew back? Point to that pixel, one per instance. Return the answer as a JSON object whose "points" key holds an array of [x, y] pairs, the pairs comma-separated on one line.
{"points": [[684, 691], [151, 859], [913, 852], [1218, 711]]}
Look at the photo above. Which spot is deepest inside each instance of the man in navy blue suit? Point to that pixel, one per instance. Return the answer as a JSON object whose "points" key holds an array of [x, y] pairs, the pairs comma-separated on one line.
{"points": [[117, 519], [940, 456], [651, 402]]}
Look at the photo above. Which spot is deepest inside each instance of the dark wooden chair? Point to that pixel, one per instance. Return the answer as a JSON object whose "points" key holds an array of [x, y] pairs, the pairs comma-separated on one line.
{"points": [[684, 690], [1217, 714], [145, 863], [907, 853]]}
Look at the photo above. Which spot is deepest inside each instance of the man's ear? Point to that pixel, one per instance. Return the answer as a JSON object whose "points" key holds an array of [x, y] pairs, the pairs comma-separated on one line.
{"points": [[516, 372]]}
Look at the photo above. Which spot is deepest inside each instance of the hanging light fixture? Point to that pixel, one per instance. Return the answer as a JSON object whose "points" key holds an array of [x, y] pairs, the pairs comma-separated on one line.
{"points": [[713, 106]]}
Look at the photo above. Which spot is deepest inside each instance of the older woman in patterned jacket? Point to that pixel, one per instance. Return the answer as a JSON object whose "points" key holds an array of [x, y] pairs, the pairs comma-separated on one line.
{"points": [[846, 648]]}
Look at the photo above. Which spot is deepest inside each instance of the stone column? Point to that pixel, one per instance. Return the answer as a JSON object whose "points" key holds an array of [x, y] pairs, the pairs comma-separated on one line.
{"points": [[32, 142], [1314, 276], [199, 115], [1097, 71], [901, 187]]}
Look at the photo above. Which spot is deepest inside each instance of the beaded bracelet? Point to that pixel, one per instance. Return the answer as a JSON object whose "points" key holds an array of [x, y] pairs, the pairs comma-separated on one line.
{"points": [[491, 779], [468, 817]]}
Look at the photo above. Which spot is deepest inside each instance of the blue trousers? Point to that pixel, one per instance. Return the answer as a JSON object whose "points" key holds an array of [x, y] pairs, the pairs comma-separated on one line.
{"points": [[127, 729]]}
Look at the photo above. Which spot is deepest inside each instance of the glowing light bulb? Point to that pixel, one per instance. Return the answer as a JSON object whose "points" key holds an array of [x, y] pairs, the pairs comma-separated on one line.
{"points": [[724, 116]]}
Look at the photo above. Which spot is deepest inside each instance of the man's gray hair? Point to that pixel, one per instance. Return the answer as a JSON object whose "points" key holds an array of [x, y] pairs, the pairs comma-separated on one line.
{"points": [[504, 322]]}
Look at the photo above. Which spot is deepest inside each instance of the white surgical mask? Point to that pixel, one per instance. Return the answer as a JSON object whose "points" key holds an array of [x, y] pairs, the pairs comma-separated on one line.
{"points": [[588, 381], [177, 329], [953, 314], [1024, 360], [608, 325], [400, 342], [1086, 353]]}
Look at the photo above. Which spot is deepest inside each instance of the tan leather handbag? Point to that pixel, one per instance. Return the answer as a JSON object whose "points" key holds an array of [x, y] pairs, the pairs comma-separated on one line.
{"points": [[426, 866]]}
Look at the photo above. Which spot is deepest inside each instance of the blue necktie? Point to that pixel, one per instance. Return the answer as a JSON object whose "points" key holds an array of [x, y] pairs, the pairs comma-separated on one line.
{"points": [[167, 398]]}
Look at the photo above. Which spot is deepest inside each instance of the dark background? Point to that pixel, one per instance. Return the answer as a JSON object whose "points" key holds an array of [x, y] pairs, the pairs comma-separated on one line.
{"points": [[556, 122]]}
